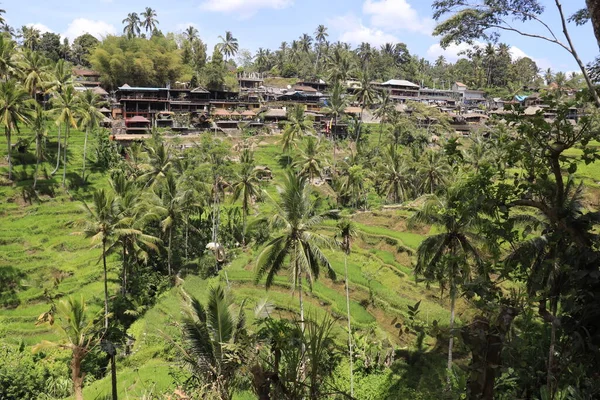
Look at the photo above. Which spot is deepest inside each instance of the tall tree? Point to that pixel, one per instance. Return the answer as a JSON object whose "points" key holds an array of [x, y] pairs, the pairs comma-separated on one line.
{"points": [[229, 45], [385, 107], [35, 71], [77, 333], [65, 108], [297, 126], [365, 95], [132, 25], [7, 57], [296, 244], [31, 37], [450, 256], [15, 109], [148, 20], [88, 110], [39, 126], [336, 106], [247, 188]]}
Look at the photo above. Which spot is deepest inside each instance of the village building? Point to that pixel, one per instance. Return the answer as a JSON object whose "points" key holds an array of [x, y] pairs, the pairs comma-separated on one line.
{"points": [[401, 90], [86, 78]]}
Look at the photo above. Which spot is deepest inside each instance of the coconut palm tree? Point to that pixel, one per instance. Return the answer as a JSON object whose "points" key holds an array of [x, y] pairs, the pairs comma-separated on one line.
{"points": [[229, 45], [448, 257], [31, 37], [65, 106], [39, 126], [15, 109], [336, 106], [213, 345], [132, 25], [310, 161], [432, 172], [296, 243], [339, 65], [135, 243], [148, 20], [297, 126], [365, 95], [345, 232], [320, 36], [247, 188], [167, 205], [385, 107], [35, 71], [191, 33], [61, 78], [159, 162], [305, 42], [7, 57], [396, 176], [77, 333], [88, 107], [103, 225]]}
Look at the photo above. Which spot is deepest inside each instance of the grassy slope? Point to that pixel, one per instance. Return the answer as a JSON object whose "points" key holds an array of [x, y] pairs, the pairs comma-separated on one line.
{"points": [[38, 240]]}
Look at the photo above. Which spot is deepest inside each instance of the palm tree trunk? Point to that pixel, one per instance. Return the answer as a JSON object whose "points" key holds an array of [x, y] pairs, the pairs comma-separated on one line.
{"points": [[76, 375], [349, 327], [64, 179], [84, 153], [7, 131], [187, 236], [105, 285], [57, 152], [169, 251], [38, 150], [243, 226], [362, 110], [334, 135], [451, 340], [113, 375], [551, 379], [124, 276], [380, 134]]}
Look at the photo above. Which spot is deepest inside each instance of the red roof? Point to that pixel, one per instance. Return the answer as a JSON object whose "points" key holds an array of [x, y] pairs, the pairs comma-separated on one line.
{"points": [[85, 72], [137, 119]]}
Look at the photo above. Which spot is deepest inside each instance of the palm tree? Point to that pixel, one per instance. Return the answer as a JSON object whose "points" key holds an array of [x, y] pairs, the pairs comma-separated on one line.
{"points": [[432, 172], [15, 109], [383, 111], [35, 70], [31, 37], [191, 33], [448, 257], [395, 176], [132, 25], [7, 57], [246, 188], [297, 243], [229, 45], [65, 106], [310, 162], [88, 107], [104, 224], [320, 36], [213, 342], [77, 333], [297, 126], [159, 157], [149, 21], [305, 42], [61, 78], [167, 206], [134, 242], [39, 125], [336, 106], [365, 95], [346, 231], [339, 65]]}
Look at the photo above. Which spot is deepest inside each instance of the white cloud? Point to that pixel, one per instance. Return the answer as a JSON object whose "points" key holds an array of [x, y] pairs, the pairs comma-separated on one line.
{"points": [[397, 15], [451, 53], [40, 27], [353, 31], [244, 8], [79, 26]]}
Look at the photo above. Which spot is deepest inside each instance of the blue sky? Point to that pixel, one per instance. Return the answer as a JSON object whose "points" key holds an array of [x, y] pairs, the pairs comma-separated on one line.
{"points": [[266, 23]]}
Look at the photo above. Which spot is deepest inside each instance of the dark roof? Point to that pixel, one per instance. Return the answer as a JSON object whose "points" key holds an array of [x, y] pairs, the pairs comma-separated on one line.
{"points": [[305, 89], [138, 118]]}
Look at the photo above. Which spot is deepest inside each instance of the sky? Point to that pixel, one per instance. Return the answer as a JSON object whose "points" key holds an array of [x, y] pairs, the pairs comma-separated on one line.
{"points": [[266, 23]]}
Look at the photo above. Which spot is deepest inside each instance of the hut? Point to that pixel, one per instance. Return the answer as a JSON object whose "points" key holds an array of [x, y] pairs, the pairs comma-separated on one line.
{"points": [[137, 124]]}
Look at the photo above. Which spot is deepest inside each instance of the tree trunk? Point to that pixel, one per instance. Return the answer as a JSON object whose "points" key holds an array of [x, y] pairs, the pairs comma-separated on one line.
{"points": [[64, 179], [187, 236], [113, 375], [84, 153], [594, 9], [243, 226], [360, 120], [169, 251], [334, 135], [451, 340], [551, 379], [57, 152], [303, 347], [8, 151], [76, 374], [105, 285], [349, 327], [124, 276], [38, 150]]}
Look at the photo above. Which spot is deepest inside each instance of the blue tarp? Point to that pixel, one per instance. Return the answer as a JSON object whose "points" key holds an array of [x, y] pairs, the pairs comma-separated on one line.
{"points": [[520, 99]]}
